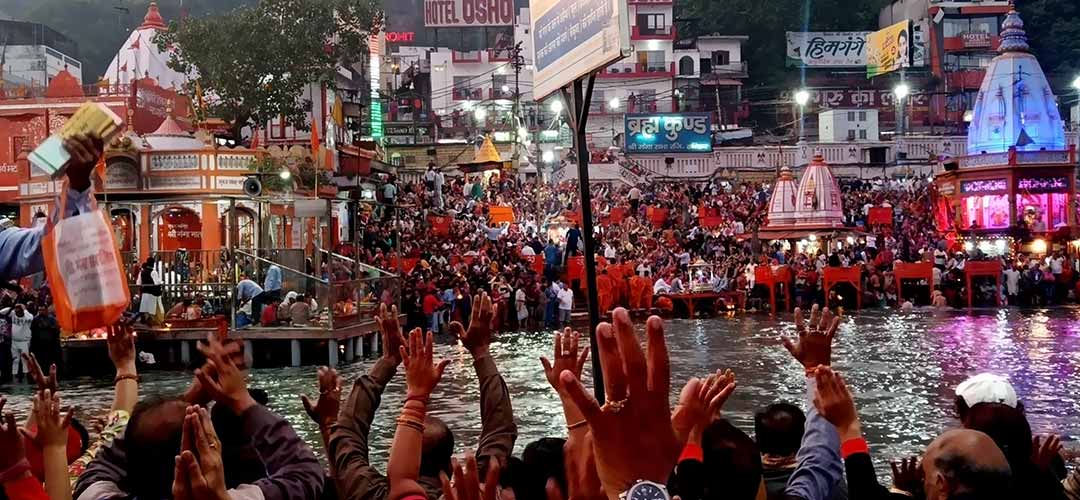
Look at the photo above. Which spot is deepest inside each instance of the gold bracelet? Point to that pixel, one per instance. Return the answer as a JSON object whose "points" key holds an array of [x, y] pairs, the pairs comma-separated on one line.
{"points": [[411, 423], [126, 376], [577, 425]]}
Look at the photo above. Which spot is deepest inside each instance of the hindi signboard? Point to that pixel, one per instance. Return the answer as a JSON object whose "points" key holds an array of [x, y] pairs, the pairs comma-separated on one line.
{"points": [[572, 38], [889, 49], [468, 13], [669, 133], [818, 49]]}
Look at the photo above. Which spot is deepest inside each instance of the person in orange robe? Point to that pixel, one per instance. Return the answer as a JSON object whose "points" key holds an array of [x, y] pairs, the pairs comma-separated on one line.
{"points": [[603, 290]]}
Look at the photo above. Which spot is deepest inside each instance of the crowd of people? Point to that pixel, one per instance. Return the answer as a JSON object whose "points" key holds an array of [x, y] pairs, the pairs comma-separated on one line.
{"points": [[219, 440], [669, 238]]}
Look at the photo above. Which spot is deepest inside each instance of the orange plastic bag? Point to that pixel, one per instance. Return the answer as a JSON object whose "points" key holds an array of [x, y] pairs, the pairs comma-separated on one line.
{"points": [[84, 270]]}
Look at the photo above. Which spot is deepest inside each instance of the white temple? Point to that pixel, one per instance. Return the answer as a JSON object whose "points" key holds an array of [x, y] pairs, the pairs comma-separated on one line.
{"points": [[814, 205], [782, 206], [1015, 106], [139, 56]]}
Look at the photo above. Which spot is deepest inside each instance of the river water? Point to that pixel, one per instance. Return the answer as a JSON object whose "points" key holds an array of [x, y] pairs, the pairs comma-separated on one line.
{"points": [[903, 368]]}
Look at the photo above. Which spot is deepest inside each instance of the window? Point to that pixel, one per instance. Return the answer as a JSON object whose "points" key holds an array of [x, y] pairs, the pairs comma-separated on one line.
{"points": [[850, 116], [721, 58], [954, 27], [862, 116], [686, 65], [497, 83], [598, 104], [462, 88], [652, 24], [706, 65], [862, 134], [651, 60], [643, 100], [851, 134]]}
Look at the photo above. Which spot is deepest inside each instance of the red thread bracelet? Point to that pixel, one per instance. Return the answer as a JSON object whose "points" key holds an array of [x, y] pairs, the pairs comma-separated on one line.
{"points": [[853, 446], [692, 452]]}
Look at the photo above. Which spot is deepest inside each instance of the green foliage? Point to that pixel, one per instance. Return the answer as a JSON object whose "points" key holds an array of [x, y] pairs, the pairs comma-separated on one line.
{"points": [[101, 26], [255, 63], [1053, 28], [766, 23], [303, 174]]}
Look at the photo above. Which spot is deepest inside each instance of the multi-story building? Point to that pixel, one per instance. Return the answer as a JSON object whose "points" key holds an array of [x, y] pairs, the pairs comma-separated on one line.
{"points": [[31, 54], [963, 39]]}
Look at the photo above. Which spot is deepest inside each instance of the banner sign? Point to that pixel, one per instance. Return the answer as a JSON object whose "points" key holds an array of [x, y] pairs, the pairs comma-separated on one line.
{"points": [[572, 38], [889, 49], [976, 40], [669, 133], [828, 49], [1043, 184], [468, 13], [984, 186], [879, 216], [499, 214]]}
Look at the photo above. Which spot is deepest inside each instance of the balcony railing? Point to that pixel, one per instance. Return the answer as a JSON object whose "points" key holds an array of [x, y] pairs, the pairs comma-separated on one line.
{"points": [[735, 69], [633, 70], [466, 57], [468, 94], [645, 33], [500, 55], [10, 91]]}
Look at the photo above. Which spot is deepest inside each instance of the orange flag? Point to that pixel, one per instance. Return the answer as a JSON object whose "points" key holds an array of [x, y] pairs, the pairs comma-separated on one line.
{"points": [[315, 142]]}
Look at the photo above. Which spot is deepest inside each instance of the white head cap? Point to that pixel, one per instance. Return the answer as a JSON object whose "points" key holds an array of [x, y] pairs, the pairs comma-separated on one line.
{"points": [[987, 388]]}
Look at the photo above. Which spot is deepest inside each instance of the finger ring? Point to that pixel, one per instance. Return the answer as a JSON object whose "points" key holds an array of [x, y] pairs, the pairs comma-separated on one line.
{"points": [[213, 445], [615, 406]]}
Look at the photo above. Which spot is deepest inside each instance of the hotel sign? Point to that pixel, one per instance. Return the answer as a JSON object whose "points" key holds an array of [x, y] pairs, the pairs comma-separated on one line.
{"points": [[973, 40]]}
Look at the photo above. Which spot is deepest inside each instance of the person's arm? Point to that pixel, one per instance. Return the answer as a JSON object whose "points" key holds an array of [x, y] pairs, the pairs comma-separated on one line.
{"points": [[819, 464], [51, 438], [15, 478], [354, 476], [421, 377], [498, 430], [324, 412], [292, 470], [121, 343]]}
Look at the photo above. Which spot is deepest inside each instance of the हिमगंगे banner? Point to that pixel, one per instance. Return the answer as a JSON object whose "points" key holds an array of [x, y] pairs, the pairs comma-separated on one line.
{"points": [[817, 49], [572, 38], [468, 13]]}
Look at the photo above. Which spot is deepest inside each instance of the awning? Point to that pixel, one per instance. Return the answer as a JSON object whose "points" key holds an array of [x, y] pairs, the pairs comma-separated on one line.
{"points": [[471, 168]]}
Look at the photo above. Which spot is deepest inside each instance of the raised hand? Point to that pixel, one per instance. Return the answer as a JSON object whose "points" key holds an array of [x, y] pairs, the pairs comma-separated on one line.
{"points": [[52, 426], [908, 476], [567, 358], [196, 393], [700, 403], [325, 410], [10, 440], [34, 370], [85, 152], [222, 379], [121, 342], [636, 416], [834, 401], [814, 345], [421, 372], [1044, 450], [392, 339], [467, 485], [481, 323]]}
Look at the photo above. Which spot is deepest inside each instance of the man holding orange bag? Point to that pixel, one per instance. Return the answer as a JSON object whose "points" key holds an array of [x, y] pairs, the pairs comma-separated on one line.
{"points": [[20, 249]]}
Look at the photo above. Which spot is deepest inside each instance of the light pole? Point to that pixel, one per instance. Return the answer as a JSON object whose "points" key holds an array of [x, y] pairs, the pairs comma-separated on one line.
{"points": [[613, 107], [901, 92], [802, 96]]}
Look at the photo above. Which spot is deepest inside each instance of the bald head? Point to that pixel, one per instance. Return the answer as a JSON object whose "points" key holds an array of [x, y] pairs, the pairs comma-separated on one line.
{"points": [[964, 464]]}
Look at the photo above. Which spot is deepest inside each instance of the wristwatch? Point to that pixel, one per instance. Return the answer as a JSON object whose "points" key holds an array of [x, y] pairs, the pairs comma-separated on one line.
{"points": [[645, 490]]}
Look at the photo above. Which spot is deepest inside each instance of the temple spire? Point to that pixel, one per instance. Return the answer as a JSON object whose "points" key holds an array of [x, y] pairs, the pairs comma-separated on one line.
{"points": [[1013, 36]]}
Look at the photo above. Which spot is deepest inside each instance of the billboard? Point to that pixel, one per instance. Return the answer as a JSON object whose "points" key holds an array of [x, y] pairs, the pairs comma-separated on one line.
{"points": [[826, 49], [468, 13], [572, 38], [889, 49], [669, 133]]}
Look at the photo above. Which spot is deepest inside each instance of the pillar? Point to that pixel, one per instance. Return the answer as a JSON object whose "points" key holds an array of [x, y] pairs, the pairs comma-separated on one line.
{"points": [[185, 352], [211, 227], [350, 349], [249, 354], [144, 224], [332, 347], [294, 351], [374, 344], [358, 346]]}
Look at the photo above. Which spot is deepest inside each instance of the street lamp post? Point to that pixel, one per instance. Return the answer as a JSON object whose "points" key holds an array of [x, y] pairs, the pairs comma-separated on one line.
{"points": [[802, 96], [901, 92]]}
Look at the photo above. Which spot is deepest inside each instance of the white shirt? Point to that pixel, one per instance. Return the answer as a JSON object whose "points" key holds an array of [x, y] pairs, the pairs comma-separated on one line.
{"points": [[527, 251], [643, 270], [937, 276], [1012, 281], [519, 301], [635, 193], [566, 299], [1057, 264], [20, 326], [660, 286], [609, 251]]}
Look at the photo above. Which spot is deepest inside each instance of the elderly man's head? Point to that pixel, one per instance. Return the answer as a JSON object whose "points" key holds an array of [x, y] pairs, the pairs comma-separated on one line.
{"points": [[963, 464]]}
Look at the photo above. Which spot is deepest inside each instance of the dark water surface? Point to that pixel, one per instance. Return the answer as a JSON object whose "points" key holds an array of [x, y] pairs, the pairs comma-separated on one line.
{"points": [[903, 368]]}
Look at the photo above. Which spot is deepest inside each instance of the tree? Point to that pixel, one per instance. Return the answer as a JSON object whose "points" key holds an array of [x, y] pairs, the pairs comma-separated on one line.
{"points": [[254, 64], [1053, 28]]}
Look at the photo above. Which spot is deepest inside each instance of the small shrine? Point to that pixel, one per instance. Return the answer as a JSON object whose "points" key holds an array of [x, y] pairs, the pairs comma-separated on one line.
{"points": [[1018, 179], [800, 210]]}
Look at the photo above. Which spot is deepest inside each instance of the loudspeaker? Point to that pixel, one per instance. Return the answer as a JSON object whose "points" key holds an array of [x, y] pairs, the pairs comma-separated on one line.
{"points": [[669, 161], [252, 187], [951, 164]]}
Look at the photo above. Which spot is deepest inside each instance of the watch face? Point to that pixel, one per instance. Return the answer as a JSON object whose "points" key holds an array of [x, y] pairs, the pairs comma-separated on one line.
{"points": [[646, 491]]}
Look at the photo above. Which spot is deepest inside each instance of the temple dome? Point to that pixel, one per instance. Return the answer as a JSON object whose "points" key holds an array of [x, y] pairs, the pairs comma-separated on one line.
{"points": [[64, 84], [1015, 106], [782, 206], [139, 56], [818, 201], [170, 136]]}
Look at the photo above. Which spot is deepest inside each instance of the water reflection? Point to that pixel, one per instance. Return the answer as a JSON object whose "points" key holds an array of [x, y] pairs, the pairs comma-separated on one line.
{"points": [[903, 368]]}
